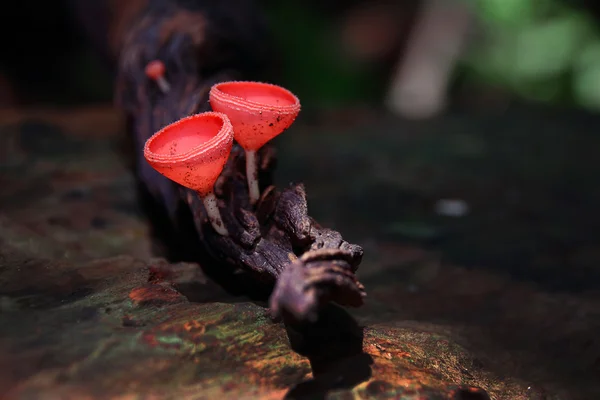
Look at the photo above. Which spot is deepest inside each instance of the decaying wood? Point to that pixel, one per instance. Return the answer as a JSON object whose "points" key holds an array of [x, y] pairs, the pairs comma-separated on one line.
{"points": [[275, 242]]}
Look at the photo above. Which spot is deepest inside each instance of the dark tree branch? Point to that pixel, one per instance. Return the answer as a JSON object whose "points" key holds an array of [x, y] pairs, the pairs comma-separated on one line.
{"points": [[275, 242]]}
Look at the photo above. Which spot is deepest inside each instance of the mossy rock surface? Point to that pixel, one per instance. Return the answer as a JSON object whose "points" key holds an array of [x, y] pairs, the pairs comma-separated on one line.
{"points": [[87, 311]]}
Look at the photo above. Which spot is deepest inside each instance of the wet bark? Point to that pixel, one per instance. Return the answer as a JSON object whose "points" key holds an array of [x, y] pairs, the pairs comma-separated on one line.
{"points": [[275, 242]]}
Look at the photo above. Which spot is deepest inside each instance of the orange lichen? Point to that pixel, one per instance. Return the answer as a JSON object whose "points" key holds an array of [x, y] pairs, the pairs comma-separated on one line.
{"points": [[152, 293]]}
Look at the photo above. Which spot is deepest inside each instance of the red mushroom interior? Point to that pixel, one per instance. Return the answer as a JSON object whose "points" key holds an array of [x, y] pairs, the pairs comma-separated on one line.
{"points": [[184, 137], [192, 151], [258, 111]]}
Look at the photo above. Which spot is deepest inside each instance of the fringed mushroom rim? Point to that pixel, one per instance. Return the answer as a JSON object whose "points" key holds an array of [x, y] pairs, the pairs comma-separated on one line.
{"points": [[205, 149], [241, 104]]}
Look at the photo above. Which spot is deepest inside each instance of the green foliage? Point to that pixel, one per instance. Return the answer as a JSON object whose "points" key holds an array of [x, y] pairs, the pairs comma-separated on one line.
{"points": [[541, 50], [313, 66]]}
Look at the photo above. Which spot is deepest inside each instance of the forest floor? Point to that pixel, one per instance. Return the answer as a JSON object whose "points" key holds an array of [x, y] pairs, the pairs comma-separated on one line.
{"points": [[502, 294]]}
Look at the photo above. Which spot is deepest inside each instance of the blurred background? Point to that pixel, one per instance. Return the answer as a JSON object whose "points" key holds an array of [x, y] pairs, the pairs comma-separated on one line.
{"points": [[470, 123], [415, 58]]}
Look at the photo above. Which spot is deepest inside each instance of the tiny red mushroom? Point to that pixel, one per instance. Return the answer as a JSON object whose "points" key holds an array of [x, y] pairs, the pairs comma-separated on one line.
{"points": [[258, 112], [155, 70], [193, 152]]}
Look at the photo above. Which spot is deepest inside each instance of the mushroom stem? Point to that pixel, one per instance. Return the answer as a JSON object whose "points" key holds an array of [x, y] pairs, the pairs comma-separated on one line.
{"points": [[252, 176], [163, 84], [214, 215]]}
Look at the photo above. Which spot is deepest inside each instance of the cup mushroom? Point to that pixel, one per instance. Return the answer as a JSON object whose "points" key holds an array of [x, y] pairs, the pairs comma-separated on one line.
{"points": [[193, 152], [155, 70], [258, 112]]}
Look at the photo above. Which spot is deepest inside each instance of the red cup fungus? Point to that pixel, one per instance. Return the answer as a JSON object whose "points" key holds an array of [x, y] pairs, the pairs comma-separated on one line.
{"points": [[155, 70], [258, 112], [193, 152]]}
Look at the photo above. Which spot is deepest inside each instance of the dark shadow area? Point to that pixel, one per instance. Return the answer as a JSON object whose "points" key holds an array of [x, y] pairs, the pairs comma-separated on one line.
{"points": [[527, 176], [470, 394], [47, 56], [530, 225], [333, 346], [180, 243]]}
